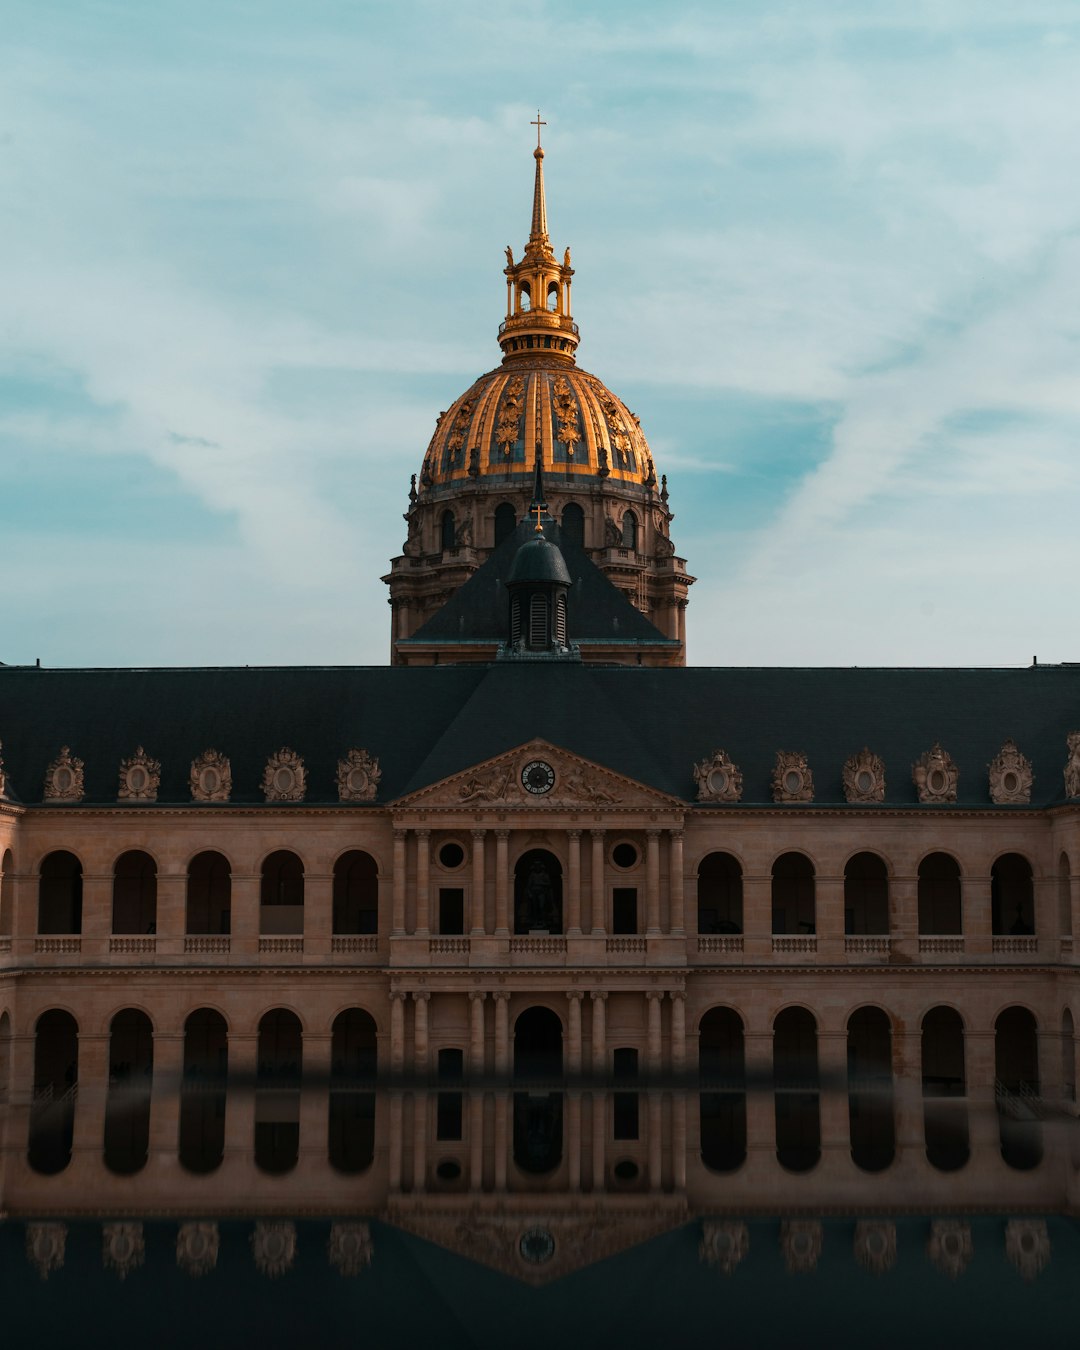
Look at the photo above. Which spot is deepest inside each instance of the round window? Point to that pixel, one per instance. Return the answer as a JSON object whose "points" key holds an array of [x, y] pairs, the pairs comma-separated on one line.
{"points": [[284, 779], [536, 1246], [451, 855], [624, 855], [793, 781], [448, 1170], [627, 1170]]}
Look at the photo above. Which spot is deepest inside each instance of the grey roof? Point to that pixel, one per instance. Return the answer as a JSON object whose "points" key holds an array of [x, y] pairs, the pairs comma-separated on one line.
{"points": [[538, 560]]}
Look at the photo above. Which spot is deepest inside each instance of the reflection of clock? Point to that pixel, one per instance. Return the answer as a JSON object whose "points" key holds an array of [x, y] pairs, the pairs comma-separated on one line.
{"points": [[537, 777], [537, 1245]]}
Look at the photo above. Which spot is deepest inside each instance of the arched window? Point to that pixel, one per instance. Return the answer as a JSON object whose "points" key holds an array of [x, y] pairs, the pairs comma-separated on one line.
{"points": [[448, 532], [7, 893], [722, 1100], [945, 1120], [56, 1079], [1012, 896], [1068, 1057], [127, 1106], [209, 894], [356, 893], [538, 893], [277, 1091], [866, 895], [796, 1090], [940, 911], [1016, 1065], [202, 1092], [573, 524], [719, 894], [524, 297], [505, 522], [281, 896], [793, 894], [870, 1089], [553, 296], [629, 531], [60, 894], [1064, 897], [537, 1114], [353, 1065], [134, 893]]}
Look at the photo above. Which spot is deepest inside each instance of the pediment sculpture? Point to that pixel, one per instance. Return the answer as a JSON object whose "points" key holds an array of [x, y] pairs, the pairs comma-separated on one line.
{"points": [[718, 779], [875, 1245], [1072, 768], [358, 777], [197, 1247], [800, 1241], [1027, 1245], [123, 1248], [724, 1243], [935, 776], [1010, 776], [211, 777], [949, 1246], [864, 777], [64, 778], [140, 777], [273, 1247], [349, 1248], [283, 778], [792, 780]]}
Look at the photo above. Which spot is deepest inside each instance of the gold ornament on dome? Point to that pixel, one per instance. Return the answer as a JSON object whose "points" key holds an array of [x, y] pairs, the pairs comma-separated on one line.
{"points": [[935, 776], [1072, 768], [1027, 1245], [724, 1244], [140, 777], [122, 1247], [358, 777], [283, 778], [1010, 774], [864, 777], [875, 1245], [800, 1242], [197, 1248], [273, 1247], [792, 780], [349, 1248], [46, 1244], [718, 779], [569, 432], [950, 1247], [64, 778], [211, 777]]}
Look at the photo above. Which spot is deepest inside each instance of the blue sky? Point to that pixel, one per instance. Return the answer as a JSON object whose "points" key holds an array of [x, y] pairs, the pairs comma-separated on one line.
{"points": [[829, 253]]}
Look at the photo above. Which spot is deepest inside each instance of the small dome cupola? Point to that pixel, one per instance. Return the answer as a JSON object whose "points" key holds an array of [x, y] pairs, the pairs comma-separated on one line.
{"points": [[538, 318], [538, 584]]}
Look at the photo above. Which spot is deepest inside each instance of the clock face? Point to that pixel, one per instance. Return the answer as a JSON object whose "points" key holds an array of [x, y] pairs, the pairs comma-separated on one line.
{"points": [[537, 777]]}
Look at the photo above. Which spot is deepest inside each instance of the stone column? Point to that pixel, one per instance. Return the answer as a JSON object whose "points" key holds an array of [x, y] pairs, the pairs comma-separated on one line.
{"points": [[240, 1101], [598, 906], [652, 882], [678, 1105], [20, 1086], [315, 1103], [573, 927], [904, 915], [834, 1099], [165, 1088], [502, 883], [599, 1068], [479, 922], [420, 1097], [829, 916], [397, 1064], [96, 912], [675, 883], [476, 1096], [760, 1106], [171, 919], [423, 883], [655, 1099], [573, 1058], [981, 1073], [1074, 907], [398, 920], [977, 915], [88, 1141], [907, 1096], [244, 914]]}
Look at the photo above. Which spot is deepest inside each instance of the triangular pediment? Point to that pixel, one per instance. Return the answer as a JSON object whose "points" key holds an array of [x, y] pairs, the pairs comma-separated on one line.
{"points": [[535, 776]]}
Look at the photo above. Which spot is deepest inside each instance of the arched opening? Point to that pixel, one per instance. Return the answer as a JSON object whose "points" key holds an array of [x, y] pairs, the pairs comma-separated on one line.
{"points": [[1012, 896], [866, 895], [277, 1091], [537, 1114], [722, 1099], [629, 531], [870, 1089], [538, 893], [60, 894], [127, 1106], [356, 893], [505, 522], [202, 1095], [573, 524], [1064, 897], [1016, 1064], [447, 532], [7, 894], [940, 910], [553, 297], [796, 1090], [281, 895], [56, 1083], [524, 297], [353, 1066], [793, 894], [209, 894], [134, 893], [944, 1086], [1068, 1057], [719, 894]]}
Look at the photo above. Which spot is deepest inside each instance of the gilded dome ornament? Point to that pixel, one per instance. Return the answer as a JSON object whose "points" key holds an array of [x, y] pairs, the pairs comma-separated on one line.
{"points": [[349, 1248], [800, 1242], [1027, 1245], [197, 1248], [1010, 775], [273, 1247], [46, 1244], [875, 1245]]}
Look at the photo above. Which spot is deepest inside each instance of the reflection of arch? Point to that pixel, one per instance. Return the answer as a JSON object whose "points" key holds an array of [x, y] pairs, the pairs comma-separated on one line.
{"points": [[722, 1067], [866, 895], [793, 894], [538, 893], [719, 894], [209, 893], [7, 893], [1016, 1065], [60, 894], [56, 1077], [353, 1065], [573, 524], [505, 521], [945, 1121], [277, 1094], [796, 1089], [537, 1116], [940, 910], [127, 1106], [870, 1089], [356, 893], [1012, 895], [134, 907], [202, 1099]]}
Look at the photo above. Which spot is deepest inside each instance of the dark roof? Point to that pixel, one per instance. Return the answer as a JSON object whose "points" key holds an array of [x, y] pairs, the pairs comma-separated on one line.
{"points": [[538, 560], [425, 723], [596, 611]]}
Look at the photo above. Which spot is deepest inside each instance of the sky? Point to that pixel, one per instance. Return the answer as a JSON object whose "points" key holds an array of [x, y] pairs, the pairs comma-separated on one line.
{"points": [[829, 253]]}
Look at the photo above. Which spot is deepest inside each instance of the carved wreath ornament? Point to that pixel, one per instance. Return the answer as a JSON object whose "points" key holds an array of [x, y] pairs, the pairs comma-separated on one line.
{"points": [[864, 777], [283, 778], [349, 1248], [1011, 778], [197, 1248], [1072, 768], [64, 778], [211, 777], [273, 1247], [724, 1243], [950, 1247], [358, 777], [718, 779], [935, 776], [792, 780], [140, 777]]}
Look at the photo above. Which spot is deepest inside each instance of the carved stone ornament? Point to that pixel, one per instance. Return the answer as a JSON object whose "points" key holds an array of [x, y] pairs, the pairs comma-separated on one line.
{"points": [[864, 777], [139, 778], [1027, 1245], [211, 777], [935, 776], [1010, 776], [875, 1245], [800, 1241], [718, 779], [950, 1247], [122, 1247], [792, 780], [349, 1248], [45, 1246], [358, 777], [64, 778], [492, 786], [273, 1245], [283, 778], [723, 1244], [1072, 768], [197, 1248], [576, 784]]}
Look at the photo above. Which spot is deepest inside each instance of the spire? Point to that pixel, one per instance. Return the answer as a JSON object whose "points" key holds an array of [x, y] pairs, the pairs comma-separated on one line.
{"points": [[539, 232], [538, 504]]}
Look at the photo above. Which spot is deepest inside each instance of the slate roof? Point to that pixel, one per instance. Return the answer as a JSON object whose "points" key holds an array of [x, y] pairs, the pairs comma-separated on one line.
{"points": [[425, 723]]}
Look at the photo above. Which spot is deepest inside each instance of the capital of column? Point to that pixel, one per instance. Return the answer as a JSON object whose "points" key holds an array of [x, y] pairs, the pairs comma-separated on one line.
{"points": [[502, 834], [477, 995], [654, 995], [598, 995], [574, 834], [420, 995], [422, 834], [478, 834], [396, 996], [500, 996], [677, 995], [653, 833], [401, 833], [675, 834], [576, 995], [597, 834]]}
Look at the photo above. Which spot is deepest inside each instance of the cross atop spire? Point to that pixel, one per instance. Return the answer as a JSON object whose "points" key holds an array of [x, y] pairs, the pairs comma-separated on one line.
{"points": [[539, 233], [538, 124]]}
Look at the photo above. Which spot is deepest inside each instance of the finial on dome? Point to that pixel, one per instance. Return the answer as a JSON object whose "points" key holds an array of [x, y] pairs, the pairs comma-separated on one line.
{"points": [[539, 213]]}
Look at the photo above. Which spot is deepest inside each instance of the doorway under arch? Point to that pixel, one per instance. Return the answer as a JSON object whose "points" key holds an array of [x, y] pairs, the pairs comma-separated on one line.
{"points": [[537, 1114]]}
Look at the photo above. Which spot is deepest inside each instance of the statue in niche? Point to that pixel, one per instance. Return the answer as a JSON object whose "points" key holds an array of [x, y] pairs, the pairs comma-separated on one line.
{"points": [[539, 899], [509, 256]]}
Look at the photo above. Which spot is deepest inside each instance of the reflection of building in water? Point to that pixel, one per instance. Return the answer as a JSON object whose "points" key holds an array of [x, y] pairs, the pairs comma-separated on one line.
{"points": [[532, 863]]}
